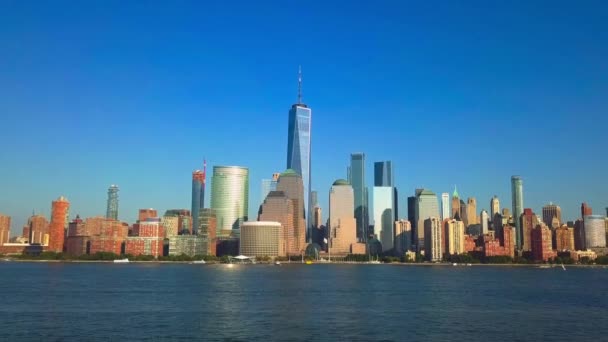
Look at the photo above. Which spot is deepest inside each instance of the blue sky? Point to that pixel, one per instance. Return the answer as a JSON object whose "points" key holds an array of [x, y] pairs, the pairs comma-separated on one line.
{"points": [[136, 93]]}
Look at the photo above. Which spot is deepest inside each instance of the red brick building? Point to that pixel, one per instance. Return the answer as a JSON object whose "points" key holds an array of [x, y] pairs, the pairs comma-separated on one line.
{"points": [[508, 242], [542, 245], [150, 239], [96, 234], [469, 243], [58, 224]]}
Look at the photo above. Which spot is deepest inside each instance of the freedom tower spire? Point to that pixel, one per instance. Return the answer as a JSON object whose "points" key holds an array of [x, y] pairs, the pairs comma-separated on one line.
{"points": [[299, 148]]}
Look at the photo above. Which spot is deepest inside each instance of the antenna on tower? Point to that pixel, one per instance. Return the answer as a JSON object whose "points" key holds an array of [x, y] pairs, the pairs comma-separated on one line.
{"points": [[299, 84]]}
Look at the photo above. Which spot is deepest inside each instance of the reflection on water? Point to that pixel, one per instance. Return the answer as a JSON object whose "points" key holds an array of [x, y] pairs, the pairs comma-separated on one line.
{"points": [[77, 302]]}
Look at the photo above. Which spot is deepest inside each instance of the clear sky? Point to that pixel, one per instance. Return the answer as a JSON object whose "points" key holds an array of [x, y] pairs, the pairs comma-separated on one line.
{"points": [[137, 93]]}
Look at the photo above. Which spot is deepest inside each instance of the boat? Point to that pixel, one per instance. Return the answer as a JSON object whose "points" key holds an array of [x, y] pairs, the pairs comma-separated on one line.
{"points": [[199, 262], [278, 263], [454, 264], [469, 265], [121, 261], [308, 262]]}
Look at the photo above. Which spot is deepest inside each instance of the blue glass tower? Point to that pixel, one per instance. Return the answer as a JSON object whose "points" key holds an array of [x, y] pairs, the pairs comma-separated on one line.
{"points": [[299, 148]]}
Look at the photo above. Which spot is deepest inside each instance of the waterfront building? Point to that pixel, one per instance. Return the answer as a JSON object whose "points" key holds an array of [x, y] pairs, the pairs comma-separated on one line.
{"points": [[94, 235], [485, 221], [5, 227], [403, 237], [494, 206], [471, 211], [277, 207], [384, 215], [112, 206], [564, 238], [207, 228], [184, 220], [579, 235], [432, 239], [261, 239], [171, 224], [454, 237], [190, 245], [291, 184], [299, 148], [356, 177], [551, 211], [58, 224], [150, 240], [508, 240], [529, 221], [230, 198], [578, 255], [517, 196], [426, 206], [198, 195], [445, 206], [342, 224], [595, 231], [542, 246], [456, 205], [37, 231]]}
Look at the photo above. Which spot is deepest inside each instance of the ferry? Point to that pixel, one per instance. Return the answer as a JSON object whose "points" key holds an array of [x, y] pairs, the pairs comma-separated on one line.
{"points": [[121, 261]]}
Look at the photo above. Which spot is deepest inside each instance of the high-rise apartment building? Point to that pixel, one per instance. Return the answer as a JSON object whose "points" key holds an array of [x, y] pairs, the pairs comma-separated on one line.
{"points": [[471, 211], [528, 221], [542, 246], [549, 212], [564, 238], [299, 148], [198, 195], [485, 221], [517, 195], [58, 224], [432, 239], [356, 178], [145, 214], [5, 227], [426, 206], [112, 206], [230, 198], [403, 237], [291, 184], [454, 237], [38, 230], [494, 206], [595, 231], [445, 206], [342, 223]]}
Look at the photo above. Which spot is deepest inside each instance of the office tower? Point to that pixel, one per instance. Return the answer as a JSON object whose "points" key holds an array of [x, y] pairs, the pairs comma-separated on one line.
{"points": [[384, 215], [528, 221], [454, 237], [579, 235], [291, 184], [38, 230], [485, 220], [586, 210], [517, 195], [383, 173], [432, 239], [184, 220], [145, 214], [595, 232], [357, 180], [549, 212], [445, 206], [5, 227], [494, 206], [564, 238], [277, 207], [463, 213], [112, 207], [542, 249], [58, 224], [403, 237], [261, 239], [411, 214], [317, 217], [198, 195], [342, 224], [471, 211], [426, 206], [171, 224], [230, 197], [207, 228], [269, 185], [456, 205], [299, 148]]}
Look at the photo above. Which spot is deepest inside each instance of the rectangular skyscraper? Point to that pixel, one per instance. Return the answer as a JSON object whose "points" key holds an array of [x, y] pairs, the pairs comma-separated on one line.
{"points": [[357, 180], [383, 173], [517, 196], [384, 197], [426, 207], [299, 148]]}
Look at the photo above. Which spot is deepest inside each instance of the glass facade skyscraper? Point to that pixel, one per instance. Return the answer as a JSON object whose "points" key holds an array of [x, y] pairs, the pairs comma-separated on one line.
{"points": [[383, 173], [426, 207], [198, 197], [230, 197], [517, 196], [357, 181], [112, 209], [299, 149]]}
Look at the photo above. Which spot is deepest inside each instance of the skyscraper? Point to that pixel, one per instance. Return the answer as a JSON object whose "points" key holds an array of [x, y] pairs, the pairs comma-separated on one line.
{"points": [[595, 231], [59, 212], [230, 197], [517, 195], [342, 224], [433, 241], [277, 207], [550, 211], [586, 210], [5, 226], [384, 204], [299, 147], [494, 206], [528, 221], [456, 205], [426, 206], [198, 195], [403, 237], [112, 208], [269, 185], [383, 173], [445, 206], [290, 183], [357, 180], [471, 211], [485, 220], [454, 237], [411, 214]]}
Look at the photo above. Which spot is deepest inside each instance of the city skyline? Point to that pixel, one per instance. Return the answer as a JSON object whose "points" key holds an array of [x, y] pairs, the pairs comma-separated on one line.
{"points": [[387, 94]]}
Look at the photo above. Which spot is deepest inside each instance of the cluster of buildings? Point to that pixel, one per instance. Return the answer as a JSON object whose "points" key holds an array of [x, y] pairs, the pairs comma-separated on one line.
{"points": [[289, 218]]}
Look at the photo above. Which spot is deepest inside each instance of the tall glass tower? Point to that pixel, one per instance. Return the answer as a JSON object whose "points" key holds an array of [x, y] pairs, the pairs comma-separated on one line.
{"points": [[112, 209], [230, 197], [356, 177], [517, 196], [198, 196], [299, 148]]}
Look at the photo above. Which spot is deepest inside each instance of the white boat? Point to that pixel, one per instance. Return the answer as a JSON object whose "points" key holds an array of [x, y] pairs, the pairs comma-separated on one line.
{"points": [[469, 265], [454, 264], [199, 262], [121, 261], [278, 263]]}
